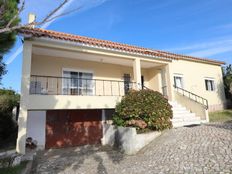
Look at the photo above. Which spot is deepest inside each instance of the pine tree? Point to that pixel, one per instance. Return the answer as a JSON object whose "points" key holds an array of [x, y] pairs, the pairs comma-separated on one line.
{"points": [[8, 12]]}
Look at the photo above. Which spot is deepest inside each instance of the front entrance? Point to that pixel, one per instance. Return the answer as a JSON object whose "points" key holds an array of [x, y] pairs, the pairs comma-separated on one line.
{"points": [[66, 128]]}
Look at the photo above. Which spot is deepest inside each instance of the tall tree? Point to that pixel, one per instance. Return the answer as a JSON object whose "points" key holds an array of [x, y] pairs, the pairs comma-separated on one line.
{"points": [[8, 16], [227, 76], [10, 11], [8, 129], [53, 14]]}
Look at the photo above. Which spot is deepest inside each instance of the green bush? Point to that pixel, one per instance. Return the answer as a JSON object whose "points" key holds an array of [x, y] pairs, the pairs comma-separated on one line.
{"points": [[8, 127], [144, 110], [8, 100]]}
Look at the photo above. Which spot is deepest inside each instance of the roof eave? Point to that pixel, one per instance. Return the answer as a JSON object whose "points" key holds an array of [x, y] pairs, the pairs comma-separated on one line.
{"points": [[113, 46], [46, 39]]}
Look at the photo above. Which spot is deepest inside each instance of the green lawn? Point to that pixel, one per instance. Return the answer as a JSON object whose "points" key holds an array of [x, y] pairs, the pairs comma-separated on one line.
{"points": [[13, 170], [220, 116]]}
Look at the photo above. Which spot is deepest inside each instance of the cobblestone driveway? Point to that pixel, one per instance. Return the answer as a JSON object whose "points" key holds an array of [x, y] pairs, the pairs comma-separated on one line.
{"points": [[200, 149]]}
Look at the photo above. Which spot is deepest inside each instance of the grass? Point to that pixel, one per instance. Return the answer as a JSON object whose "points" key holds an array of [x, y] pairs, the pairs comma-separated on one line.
{"points": [[220, 116], [13, 170]]}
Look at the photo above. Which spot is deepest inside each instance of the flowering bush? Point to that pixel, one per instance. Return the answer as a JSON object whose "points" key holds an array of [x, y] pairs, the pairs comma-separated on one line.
{"points": [[144, 109]]}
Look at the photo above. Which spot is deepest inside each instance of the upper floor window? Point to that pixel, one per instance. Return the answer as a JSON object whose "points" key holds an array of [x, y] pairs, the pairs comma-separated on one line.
{"points": [[77, 83], [210, 85], [178, 81]]}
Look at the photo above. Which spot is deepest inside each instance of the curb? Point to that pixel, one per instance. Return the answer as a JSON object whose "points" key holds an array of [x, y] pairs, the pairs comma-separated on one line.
{"points": [[7, 153]]}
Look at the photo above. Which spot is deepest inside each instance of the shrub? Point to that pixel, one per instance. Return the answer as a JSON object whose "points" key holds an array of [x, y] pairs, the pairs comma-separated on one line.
{"points": [[8, 99], [8, 127], [144, 109]]}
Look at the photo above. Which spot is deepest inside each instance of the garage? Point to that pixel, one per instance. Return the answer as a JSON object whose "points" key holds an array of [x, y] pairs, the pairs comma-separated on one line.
{"points": [[66, 128]]}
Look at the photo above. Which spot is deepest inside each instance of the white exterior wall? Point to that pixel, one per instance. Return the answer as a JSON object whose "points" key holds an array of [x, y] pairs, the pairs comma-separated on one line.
{"points": [[194, 74], [36, 123]]}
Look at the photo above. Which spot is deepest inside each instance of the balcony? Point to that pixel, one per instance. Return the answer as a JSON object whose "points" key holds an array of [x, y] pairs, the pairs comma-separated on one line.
{"points": [[51, 85]]}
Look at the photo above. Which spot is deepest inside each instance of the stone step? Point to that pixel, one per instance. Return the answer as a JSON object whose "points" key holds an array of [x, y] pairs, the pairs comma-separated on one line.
{"points": [[173, 103], [182, 116], [180, 110], [176, 105], [175, 120], [184, 119], [186, 123]]}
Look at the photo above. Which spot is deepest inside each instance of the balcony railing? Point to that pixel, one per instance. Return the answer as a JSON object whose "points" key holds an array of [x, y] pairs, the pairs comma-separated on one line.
{"points": [[51, 85]]}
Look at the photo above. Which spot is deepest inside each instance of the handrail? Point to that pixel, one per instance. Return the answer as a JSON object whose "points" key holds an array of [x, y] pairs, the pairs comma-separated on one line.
{"points": [[144, 87], [193, 96], [76, 78], [163, 90]]}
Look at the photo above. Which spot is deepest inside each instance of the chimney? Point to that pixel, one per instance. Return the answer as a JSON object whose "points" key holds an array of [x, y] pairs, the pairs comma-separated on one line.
{"points": [[31, 18]]}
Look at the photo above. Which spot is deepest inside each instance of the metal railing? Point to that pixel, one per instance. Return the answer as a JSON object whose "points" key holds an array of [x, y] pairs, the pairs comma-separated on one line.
{"points": [[52, 85], [193, 96], [164, 90]]}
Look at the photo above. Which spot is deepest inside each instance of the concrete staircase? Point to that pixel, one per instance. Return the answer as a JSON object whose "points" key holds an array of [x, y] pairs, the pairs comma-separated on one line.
{"points": [[182, 116]]}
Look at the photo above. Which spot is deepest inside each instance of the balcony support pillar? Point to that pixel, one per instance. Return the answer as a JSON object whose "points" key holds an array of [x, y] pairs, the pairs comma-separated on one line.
{"points": [[167, 81], [137, 73], [24, 99]]}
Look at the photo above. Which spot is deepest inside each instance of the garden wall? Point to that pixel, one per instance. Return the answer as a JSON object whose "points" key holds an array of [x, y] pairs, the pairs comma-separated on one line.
{"points": [[126, 138]]}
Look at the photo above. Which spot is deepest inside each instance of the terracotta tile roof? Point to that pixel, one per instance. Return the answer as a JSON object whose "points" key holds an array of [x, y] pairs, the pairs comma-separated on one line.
{"points": [[36, 32]]}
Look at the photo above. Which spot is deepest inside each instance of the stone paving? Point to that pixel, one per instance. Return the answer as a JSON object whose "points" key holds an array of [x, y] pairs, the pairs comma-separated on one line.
{"points": [[200, 149]]}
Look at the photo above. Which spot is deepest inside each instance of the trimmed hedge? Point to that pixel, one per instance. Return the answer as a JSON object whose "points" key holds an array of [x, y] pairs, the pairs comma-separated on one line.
{"points": [[145, 110]]}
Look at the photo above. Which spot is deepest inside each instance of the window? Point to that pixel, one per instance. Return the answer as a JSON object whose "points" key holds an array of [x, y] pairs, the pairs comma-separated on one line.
{"points": [[209, 85], [77, 83], [178, 81]]}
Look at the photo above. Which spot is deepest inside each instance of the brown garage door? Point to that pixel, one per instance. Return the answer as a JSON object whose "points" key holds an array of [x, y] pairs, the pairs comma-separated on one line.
{"points": [[65, 128]]}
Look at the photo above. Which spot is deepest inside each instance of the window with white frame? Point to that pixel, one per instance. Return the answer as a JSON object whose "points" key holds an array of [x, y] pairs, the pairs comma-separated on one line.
{"points": [[210, 85], [77, 83], [178, 81]]}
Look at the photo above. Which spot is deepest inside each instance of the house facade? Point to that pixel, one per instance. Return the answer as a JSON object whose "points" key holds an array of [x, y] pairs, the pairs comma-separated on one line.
{"points": [[71, 84]]}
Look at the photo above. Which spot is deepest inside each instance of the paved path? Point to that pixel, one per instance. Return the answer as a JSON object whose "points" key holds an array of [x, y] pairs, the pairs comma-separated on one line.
{"points": [[199, 149]]}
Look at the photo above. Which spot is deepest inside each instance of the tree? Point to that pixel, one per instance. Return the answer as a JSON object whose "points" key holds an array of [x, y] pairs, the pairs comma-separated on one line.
{"points": [[227, 77], [8, 127], [10, 11], [8, 17], [8, 100], [9, 27]]}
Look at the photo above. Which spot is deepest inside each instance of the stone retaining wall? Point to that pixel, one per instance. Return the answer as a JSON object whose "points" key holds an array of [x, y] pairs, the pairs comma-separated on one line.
{"points": [[126, 138]]}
